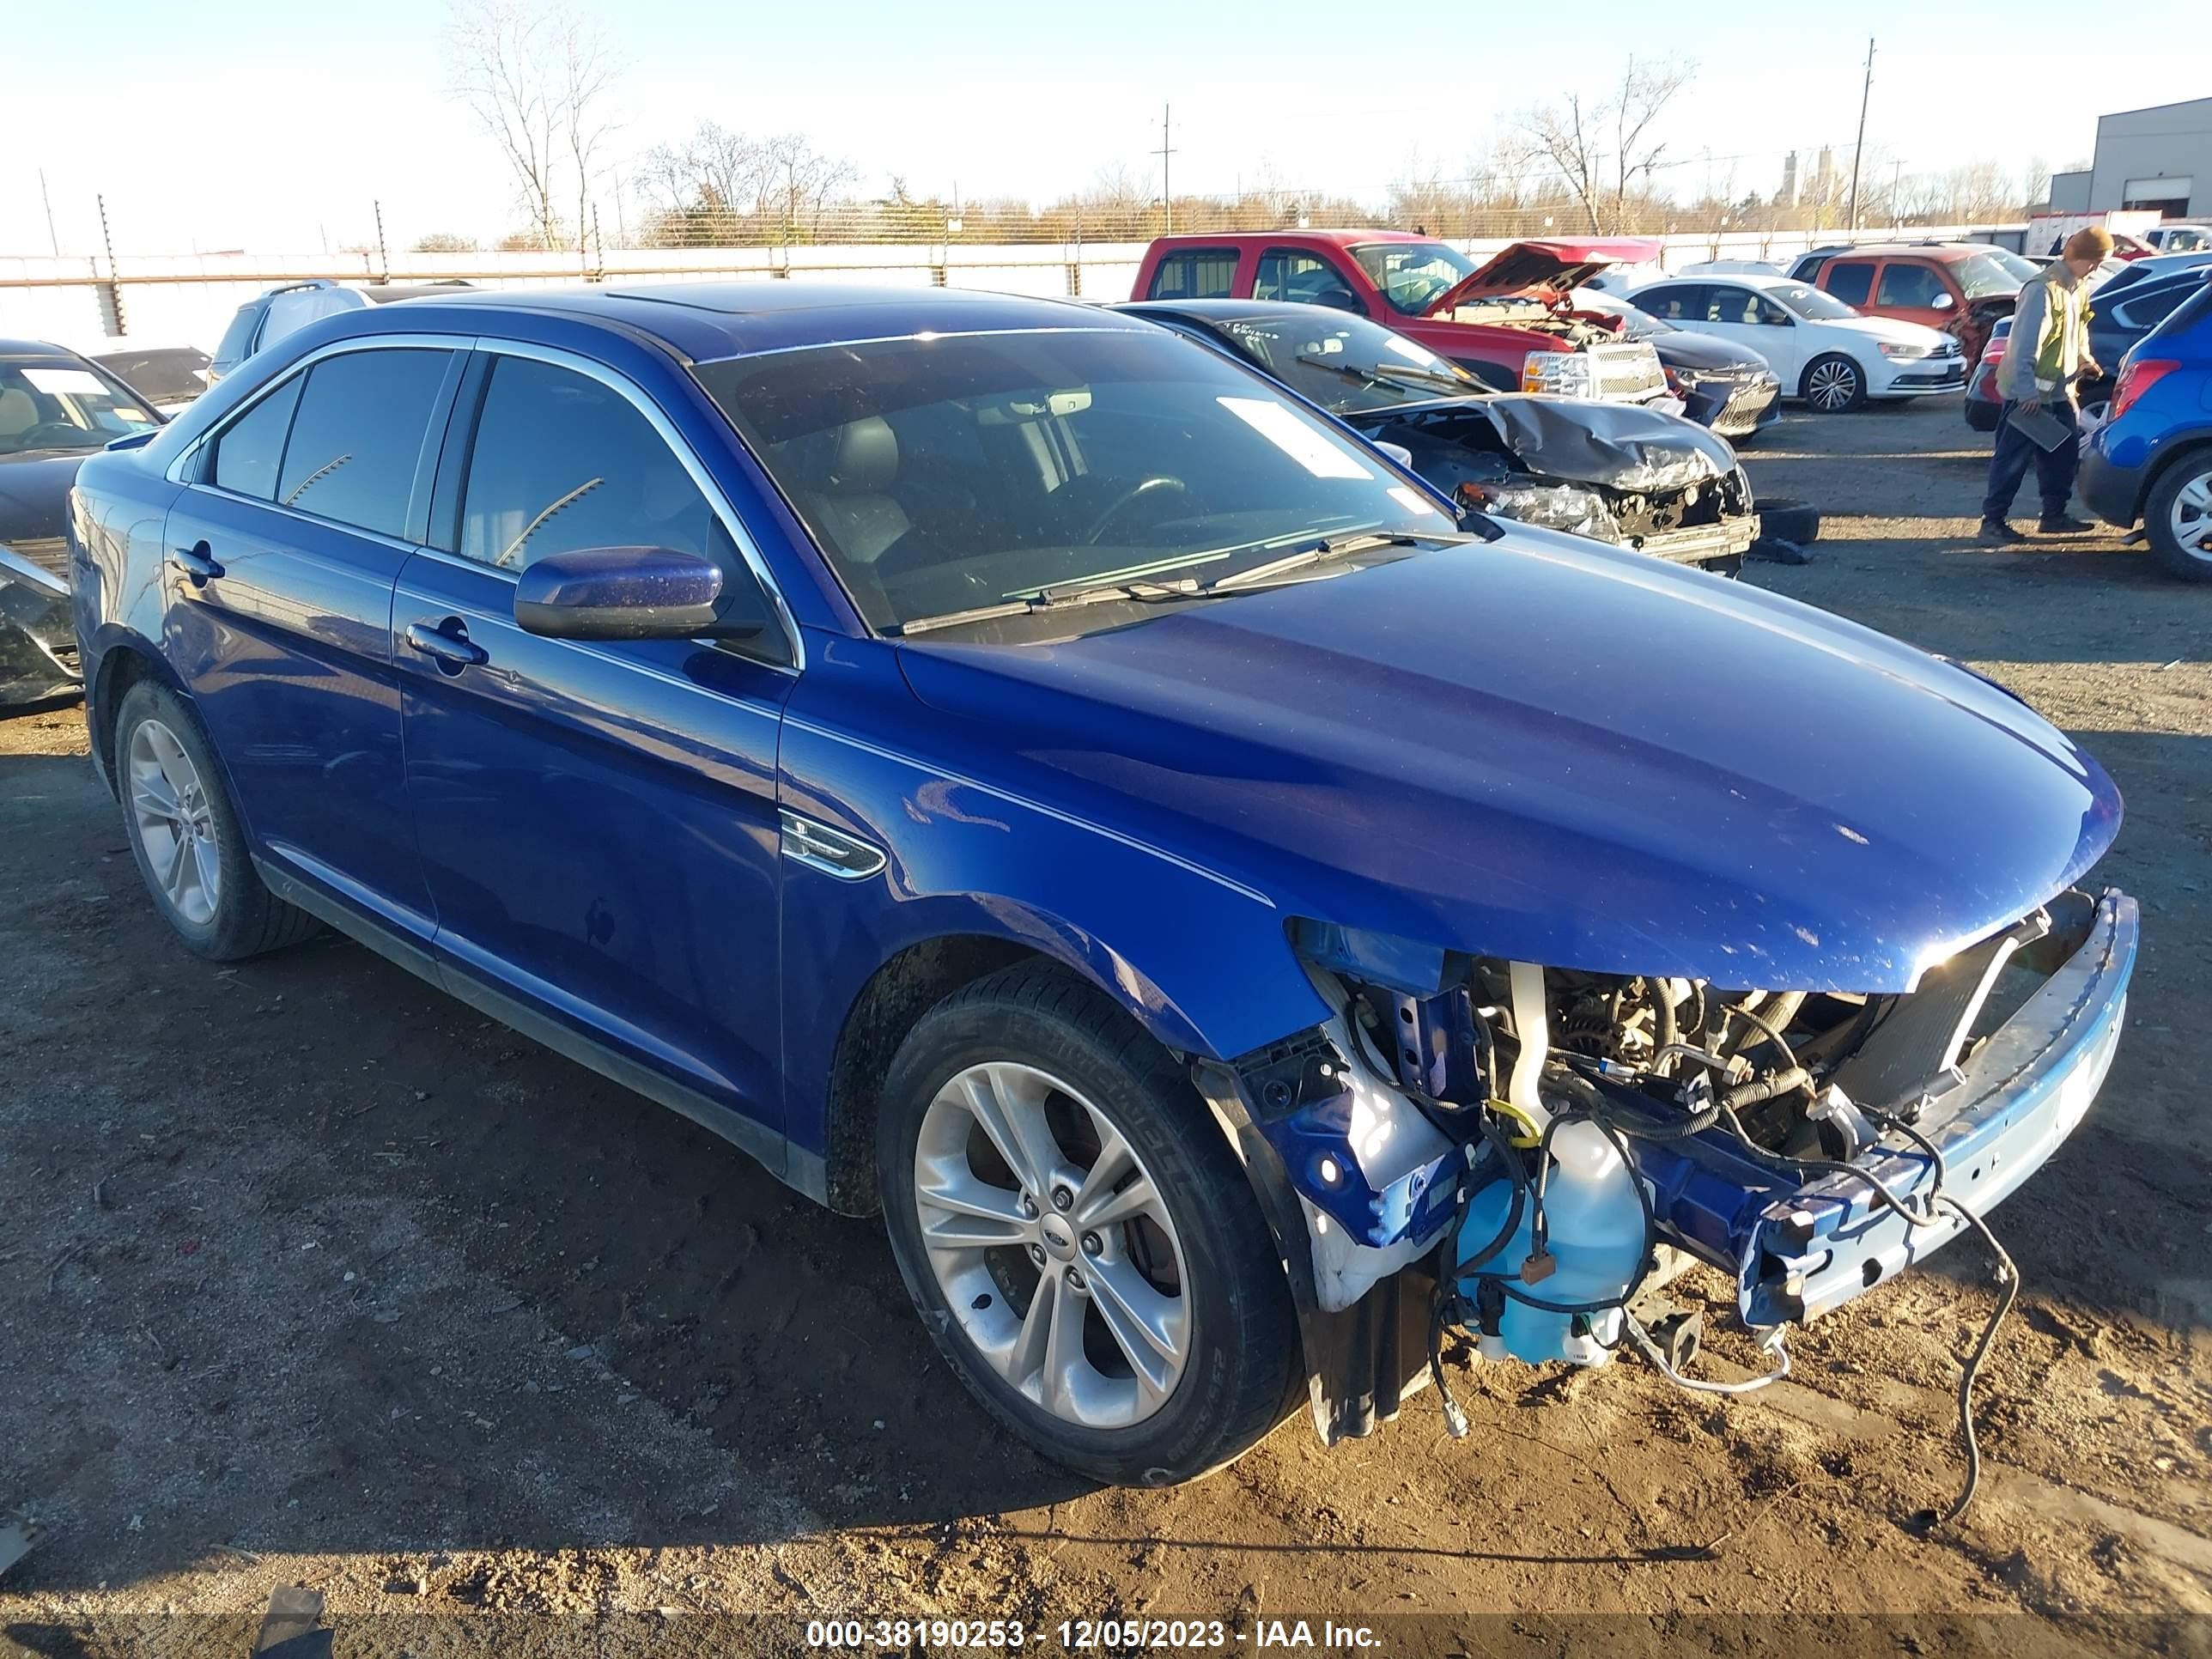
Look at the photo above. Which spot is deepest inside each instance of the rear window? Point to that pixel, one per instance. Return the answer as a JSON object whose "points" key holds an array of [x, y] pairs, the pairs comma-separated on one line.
{"points": [[1195, 273], [162, 373], [1851, 281]]}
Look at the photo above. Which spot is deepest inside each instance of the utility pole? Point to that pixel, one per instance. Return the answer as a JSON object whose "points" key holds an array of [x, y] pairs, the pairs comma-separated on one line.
{"points": [[383, 259], [1167, 197], [1896, 193], [53, 241], [1858, 150]]}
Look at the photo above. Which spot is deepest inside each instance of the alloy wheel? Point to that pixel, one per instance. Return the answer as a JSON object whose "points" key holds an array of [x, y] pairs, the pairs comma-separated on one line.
{"points": [[1053, 1245], [1832, 386], [175, 822], [2189, 517]]}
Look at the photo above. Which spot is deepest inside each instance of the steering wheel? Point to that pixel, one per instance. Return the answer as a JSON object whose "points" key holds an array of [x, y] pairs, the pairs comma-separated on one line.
{"points": [[1128, 498]]}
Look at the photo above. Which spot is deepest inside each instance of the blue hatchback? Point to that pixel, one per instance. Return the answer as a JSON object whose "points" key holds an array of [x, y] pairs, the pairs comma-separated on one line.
{"points": [[2152, 460], [1006, 766]]}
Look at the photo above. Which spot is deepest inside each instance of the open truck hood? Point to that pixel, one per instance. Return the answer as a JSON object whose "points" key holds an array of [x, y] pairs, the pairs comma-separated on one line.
{"points": [[1544, 749], [1548, 270]]}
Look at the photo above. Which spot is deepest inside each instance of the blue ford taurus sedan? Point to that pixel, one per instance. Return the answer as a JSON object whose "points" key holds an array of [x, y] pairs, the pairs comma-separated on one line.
{"points": [[1006, 766]]}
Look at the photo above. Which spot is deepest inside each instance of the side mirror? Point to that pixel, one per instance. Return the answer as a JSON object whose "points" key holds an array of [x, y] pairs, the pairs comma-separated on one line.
{"points": [[1944, 302], [1399, 453], [618, 593]]}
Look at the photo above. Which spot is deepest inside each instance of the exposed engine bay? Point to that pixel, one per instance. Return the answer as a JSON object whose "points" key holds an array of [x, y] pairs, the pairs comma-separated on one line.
{"points": [[1615, 475], [1544, 315], [1537, 1152]]}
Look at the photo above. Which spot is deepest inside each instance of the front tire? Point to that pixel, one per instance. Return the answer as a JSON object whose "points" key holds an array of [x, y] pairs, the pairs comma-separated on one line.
{"points": [[2177, 518], [1834, 384], [1077, 1236], [186, 835]]}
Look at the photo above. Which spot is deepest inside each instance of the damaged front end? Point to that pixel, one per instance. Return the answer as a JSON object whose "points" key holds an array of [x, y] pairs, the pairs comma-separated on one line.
{"points": [[1531, 1153], [38, 638], [1628, 477]]}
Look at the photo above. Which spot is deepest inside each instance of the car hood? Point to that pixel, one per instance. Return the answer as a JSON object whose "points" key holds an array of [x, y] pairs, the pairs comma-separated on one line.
{"points": [[1547, 751], [1621, 446], [1894, 330], [1680, 348], [1551, 269], [34, 492]]}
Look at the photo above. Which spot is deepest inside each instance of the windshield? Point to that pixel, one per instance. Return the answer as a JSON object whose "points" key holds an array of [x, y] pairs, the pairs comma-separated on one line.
{"points": [[1809, 302], [60, 406], [2018, 268], [945, 474], [1982, 275], [1347, 364], [1412, 274]]}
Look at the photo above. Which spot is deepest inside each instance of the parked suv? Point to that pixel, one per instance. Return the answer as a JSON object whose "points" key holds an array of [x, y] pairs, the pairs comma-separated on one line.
{"points": [[1509, 320], [268, 318], [1959, 287], [2152, 460], [1008, 766]]}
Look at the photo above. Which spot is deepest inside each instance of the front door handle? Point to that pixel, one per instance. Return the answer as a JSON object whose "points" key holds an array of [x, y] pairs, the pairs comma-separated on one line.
{"points": [[195, 564], [447, 643]]}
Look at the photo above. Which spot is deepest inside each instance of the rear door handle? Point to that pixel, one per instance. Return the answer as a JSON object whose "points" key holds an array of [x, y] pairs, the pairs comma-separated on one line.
{"points": [[195, 564], [447, 643]]}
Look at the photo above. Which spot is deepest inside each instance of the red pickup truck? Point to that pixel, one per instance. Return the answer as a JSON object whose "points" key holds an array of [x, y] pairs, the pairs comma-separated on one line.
{"points": [[1509, 321]]}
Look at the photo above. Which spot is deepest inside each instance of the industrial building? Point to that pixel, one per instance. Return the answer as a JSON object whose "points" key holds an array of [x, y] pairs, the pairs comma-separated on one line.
{"points": [[2159, 158]]}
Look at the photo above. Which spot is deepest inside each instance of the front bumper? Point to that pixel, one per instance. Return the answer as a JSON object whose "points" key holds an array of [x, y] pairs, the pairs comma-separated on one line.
{"points": [[1801, 1250], [1729, 539], [2113, 493], [1926, 379]]}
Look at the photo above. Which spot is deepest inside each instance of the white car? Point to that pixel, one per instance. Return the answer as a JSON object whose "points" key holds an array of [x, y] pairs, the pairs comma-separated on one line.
{"points": [[2179, 239], [1824, 352]]}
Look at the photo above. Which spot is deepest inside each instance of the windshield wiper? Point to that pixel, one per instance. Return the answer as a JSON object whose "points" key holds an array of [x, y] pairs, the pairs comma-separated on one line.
{"points": [[1058, 598], [1329, 548], [1070, 594]]}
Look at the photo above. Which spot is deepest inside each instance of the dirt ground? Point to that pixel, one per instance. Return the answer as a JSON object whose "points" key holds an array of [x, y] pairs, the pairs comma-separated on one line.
{"points": [[309, 1275]]}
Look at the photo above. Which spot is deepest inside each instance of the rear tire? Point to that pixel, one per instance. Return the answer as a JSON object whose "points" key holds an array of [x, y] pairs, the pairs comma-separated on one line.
{"points": [[1057, 1197], [2177, 518], [1834, 384], [186, 835]]}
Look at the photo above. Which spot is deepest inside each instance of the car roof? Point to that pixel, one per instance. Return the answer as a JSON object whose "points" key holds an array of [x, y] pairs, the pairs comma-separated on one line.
{"points": [[1233, 311], [707, 322], [1748, 278], [1335, 235], [1944, 253], [42, 350]]}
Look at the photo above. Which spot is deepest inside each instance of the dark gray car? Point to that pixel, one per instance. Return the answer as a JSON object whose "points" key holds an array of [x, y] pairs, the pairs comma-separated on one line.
{"points": [[56, 408]]}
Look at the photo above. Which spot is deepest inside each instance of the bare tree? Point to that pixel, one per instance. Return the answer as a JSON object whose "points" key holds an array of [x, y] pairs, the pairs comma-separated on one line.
{"points": [[1570, 137], [539, 78]]}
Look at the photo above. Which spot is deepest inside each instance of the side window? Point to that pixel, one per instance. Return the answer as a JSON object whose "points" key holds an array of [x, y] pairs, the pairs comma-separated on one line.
{"points": [[561, 461], [1195, 273], [358, 435], [1770, 315], [251, 448], [1851, 281], [1731, 304], [2150, 308], [1910, 286], [1682, 302], [1286, 273]]}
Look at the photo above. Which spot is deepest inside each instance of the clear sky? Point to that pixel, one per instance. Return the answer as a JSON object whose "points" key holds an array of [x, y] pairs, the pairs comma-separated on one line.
{"points": [[273, 125]]}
